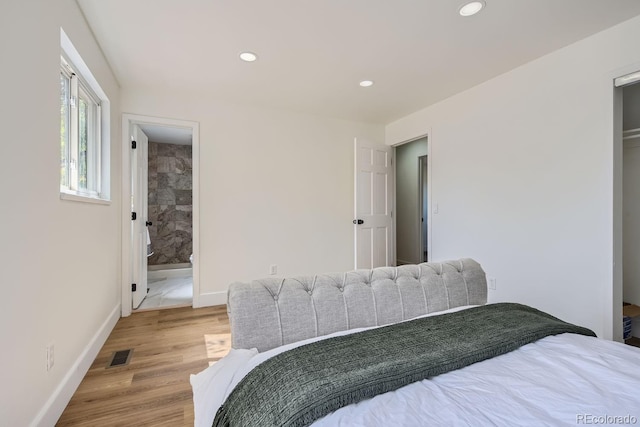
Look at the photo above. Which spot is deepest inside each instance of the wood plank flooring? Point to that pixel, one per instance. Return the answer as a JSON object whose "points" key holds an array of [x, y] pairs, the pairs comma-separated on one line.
{"points": [[153, 389]]}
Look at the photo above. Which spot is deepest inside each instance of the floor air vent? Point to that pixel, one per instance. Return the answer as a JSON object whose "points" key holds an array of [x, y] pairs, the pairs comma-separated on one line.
{"points": [[120, 358]]}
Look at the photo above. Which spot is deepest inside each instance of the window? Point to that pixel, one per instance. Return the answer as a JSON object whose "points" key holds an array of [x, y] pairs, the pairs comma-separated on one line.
{"points": [[83, 171]]}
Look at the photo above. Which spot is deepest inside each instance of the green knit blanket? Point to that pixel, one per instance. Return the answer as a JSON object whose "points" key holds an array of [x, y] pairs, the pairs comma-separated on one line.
{"points": [[304, 384]]}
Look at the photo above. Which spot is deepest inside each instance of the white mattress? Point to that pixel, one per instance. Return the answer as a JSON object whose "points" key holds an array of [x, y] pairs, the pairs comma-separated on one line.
{"points": [[566, 379]]}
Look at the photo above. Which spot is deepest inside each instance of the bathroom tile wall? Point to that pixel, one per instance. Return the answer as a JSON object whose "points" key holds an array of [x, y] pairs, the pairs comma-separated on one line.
{"points": [[170, 203]]}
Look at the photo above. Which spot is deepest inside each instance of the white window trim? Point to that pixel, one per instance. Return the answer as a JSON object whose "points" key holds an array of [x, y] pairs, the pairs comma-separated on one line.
{"points": [[86, 199], [92, 87]]}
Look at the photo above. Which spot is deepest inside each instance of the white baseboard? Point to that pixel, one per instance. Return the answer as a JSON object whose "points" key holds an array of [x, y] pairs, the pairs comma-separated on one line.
{"points": [[210, 299], [50, 413], [169, 273], [168, 266]]}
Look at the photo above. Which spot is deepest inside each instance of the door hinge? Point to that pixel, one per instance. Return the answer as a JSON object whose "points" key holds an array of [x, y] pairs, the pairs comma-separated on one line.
{"points": [[133, 287], [134, 216], [134, 145]]}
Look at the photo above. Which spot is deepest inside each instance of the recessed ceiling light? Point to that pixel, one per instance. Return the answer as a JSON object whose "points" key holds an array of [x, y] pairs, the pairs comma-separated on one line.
{"points": [[248, 56], [472, 8], [366, 83]]}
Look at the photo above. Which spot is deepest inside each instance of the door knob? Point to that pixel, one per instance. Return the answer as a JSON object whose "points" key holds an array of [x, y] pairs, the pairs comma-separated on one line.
{"points": [[358, 221]]}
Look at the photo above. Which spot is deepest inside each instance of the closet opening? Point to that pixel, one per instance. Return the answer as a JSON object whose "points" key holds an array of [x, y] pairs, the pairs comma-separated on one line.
{"points": [[631, 213]]}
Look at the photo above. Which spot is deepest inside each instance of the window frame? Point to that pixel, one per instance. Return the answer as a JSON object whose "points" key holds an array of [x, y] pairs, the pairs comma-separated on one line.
{"points": [[87, 135]]}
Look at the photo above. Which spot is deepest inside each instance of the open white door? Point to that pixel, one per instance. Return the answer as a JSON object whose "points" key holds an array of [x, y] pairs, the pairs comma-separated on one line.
{"points": [[139, 204], [373, 202]]}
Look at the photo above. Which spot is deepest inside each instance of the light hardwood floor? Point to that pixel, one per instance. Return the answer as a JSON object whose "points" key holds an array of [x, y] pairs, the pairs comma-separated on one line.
{"points": [[153, 389]]}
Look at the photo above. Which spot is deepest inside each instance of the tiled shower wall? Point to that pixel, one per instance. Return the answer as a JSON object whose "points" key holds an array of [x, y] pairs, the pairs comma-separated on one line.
{"points": [[170, 203]]}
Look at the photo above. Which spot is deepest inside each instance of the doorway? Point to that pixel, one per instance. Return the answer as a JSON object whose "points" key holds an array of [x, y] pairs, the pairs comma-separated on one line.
{"points": [[412, 186], [631, 213], [160, 178], [169, 210]]}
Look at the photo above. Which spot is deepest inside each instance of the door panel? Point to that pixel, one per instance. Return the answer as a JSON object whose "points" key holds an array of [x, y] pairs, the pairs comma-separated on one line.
{"points": [[381, 257], [381, 158], [373, 184], [365, 187], [364, 246], [380, 199]]}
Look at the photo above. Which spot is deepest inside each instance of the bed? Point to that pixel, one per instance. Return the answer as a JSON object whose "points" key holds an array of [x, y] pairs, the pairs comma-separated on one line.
{"points": [[408, 346]]}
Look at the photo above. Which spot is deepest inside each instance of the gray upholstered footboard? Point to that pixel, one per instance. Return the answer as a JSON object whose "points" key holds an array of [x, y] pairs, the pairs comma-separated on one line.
{"points": [[271, 312]]}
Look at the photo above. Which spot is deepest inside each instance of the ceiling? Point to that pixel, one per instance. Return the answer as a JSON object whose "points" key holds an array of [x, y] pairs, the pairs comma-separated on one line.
{"points": [[312, 54], [167, 134]]}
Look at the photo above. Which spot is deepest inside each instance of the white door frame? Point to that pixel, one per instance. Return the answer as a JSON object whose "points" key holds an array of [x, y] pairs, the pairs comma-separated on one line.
{"points": [[127, 121], [429, 194]]}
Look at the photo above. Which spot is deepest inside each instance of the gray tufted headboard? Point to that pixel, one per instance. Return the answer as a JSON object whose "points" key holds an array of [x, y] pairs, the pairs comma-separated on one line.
{"points": [[271, 312]]}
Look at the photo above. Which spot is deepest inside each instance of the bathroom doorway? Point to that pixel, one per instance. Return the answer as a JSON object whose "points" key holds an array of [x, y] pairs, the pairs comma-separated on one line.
{"points": [[163, 249]]}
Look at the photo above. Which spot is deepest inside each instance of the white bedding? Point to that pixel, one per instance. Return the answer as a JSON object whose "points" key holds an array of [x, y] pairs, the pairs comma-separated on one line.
{"points": [[566, 379]]}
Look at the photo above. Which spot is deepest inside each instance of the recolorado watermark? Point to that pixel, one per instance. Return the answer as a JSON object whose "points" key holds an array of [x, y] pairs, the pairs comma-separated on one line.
{"points": [[606, 419]]}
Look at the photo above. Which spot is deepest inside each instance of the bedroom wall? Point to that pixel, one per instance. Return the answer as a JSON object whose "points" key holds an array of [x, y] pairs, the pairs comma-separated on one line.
{"points": [[276, 187], [60, 263], [523, 176]]}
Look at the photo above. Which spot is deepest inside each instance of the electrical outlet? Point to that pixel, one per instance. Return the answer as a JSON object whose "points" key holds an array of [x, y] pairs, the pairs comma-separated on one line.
{"points": [[273, 269], [50, 357], [492, 283]]}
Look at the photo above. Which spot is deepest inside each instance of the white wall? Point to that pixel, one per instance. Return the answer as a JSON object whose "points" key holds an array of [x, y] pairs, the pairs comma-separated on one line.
{"points": [[522, 171], [60, 265], [275, 188], [408, 227]]}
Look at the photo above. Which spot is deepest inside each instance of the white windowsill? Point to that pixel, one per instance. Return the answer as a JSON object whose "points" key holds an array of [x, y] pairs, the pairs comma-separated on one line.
{"points": [[83, 199]]}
